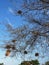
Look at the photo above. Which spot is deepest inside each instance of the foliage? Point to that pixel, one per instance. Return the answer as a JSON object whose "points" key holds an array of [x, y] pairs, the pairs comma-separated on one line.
{"points": [[47, 63], [1, 64], [33, 62]]}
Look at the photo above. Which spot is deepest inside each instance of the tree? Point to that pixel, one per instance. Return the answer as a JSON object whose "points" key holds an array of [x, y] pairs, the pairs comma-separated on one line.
{"points": [[36, 13], [32, 62], [47, 63], [1, 63]]}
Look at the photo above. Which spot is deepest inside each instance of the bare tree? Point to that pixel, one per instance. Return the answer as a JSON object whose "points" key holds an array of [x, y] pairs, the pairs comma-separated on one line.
{"points": [[35, 13]]}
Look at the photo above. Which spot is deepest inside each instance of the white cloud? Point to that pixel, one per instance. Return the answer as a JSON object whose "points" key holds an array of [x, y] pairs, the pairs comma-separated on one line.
{"points": [[11, 10]]}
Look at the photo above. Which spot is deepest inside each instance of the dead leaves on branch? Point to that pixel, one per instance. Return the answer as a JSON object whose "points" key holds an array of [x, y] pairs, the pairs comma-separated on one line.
{"points": [[8, 51], [9, 48], [20, 35]]}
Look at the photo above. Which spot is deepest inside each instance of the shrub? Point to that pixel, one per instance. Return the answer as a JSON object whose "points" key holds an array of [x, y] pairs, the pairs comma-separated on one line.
{"points": [[47, 63]]}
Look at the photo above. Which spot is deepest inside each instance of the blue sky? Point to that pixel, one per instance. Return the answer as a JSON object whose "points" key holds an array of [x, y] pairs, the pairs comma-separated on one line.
{"points": [[6, 15]]}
